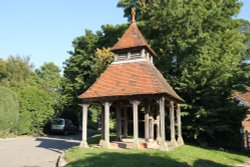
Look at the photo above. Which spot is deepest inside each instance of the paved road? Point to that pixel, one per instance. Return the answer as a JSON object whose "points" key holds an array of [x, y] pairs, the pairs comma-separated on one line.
{"points": [[35, 152]]}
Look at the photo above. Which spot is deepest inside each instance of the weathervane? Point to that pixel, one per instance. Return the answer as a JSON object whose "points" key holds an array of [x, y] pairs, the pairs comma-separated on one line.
{"points": [[133, 13]]}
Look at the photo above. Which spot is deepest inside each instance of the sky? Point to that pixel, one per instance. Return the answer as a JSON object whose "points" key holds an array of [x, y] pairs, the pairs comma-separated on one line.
{"points": [[44, 30]]}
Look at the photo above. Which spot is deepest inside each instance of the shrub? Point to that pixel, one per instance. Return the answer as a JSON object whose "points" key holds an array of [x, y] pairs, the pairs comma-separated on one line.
{"points": [[8, 111], [36, 109]]}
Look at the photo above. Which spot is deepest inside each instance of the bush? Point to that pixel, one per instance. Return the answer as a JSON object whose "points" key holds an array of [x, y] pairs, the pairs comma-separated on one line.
{"points": [[36, 109], [8, 111]]}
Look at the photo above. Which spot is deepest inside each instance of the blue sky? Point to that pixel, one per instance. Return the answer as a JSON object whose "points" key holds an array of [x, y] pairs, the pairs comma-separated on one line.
{"points": [[44, 30]]}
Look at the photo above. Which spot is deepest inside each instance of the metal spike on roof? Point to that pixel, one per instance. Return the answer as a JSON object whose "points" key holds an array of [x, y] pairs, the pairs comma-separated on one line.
{"points": [[132, 38]]}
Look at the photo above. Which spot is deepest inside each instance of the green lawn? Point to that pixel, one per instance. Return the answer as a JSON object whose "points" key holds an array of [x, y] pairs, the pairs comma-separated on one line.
{"points": [[186, 155]]}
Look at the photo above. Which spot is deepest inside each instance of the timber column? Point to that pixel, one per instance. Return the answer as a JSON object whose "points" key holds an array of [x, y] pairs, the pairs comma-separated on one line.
{"points": [[146, 123], [84, 143], [125, 122], [106, 142], [158, 136], [135, 124], [118, 123], [179, 139], [102, 123], [172, 124], [163, 145]]}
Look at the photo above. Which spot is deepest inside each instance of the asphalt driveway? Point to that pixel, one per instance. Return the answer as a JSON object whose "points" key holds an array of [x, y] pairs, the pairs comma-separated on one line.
{"points": [[35, 151]]}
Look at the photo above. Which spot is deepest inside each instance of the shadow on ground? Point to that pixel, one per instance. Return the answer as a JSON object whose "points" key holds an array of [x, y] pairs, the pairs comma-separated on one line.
{"points": [[77, 137], [135, 160], [61, 143], [207, 163], [55, 144]]}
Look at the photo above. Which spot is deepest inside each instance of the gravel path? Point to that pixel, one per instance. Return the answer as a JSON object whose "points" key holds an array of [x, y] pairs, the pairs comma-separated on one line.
{"points": [[34, 151]]}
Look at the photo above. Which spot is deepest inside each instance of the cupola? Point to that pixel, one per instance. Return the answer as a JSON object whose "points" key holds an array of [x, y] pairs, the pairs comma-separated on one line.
{"points": [[132, 45]]}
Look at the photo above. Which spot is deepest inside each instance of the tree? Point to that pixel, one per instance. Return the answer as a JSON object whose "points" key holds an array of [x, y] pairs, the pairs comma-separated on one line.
{"points": [[244, 28], [86, 63], [15, 72], [3, 71], [38, 93], [50, 77], [9, 111], [200, 53], [78, 73], [36, 109]]}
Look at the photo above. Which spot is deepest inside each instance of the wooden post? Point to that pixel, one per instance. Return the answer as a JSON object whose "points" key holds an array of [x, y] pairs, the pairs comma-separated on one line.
{"points": [[135, 105], [146, 123], [106, 142], [247, 139], [151, 128], [162, 117], [172, 124], [158, 137], [125, 123], [118, 123], [84, 143], [102, 123], [179, 139], [163, 145]]}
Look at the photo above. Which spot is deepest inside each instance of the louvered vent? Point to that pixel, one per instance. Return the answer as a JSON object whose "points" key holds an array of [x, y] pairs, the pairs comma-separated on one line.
{"points": [[135, 55], [122, 56]]}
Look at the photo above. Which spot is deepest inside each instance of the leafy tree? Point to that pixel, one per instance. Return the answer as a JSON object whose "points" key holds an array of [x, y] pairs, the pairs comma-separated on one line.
{"points": [[244, 28], [15, 72], [200, 53], [36, 109], [3, 71], [86, 63], [38, 92], [8, 111], [78, 73], [50, 77]]}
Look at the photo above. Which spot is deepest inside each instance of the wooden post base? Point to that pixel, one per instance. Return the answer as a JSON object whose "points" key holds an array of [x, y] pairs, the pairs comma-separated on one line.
{"points": [[84, 144], [104, 144], [180, 141]]}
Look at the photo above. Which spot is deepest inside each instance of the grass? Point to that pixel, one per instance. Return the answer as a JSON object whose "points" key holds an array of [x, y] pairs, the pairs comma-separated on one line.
{"points": [[184, 156]]}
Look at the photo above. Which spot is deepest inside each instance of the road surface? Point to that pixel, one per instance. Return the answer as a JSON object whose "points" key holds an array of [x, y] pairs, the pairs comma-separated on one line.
{"points": [[35, 151]]}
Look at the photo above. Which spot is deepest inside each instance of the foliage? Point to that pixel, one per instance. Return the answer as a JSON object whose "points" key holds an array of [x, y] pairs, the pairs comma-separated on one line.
{"points": [[8, 111], [182, 156], [244, 28], [200, 52], [36, 109], [48, 78], [86, 63], [15, 72], [38, 94]]}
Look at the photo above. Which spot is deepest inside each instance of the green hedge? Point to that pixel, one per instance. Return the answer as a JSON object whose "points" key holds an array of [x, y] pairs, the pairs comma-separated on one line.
{"points": [[9, 111], [36, 109]]}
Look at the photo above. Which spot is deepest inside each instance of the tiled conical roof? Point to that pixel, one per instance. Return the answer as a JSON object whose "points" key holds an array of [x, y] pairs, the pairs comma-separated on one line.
{"points": [[132, 38], [129, 79]]}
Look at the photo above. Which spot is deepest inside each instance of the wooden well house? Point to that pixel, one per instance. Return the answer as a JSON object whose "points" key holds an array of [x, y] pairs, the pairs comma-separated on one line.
{"points": [[139, 95]]}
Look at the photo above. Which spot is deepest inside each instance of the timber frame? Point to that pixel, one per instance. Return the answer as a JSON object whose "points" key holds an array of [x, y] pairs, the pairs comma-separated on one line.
{"points": [[154, 116], [134, 88]]}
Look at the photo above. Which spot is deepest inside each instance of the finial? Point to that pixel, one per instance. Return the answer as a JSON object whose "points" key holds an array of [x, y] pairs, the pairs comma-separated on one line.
{"points": [[133, 13]]}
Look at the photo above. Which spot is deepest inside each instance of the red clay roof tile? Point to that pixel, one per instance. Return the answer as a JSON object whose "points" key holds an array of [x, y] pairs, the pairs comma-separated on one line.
{"points": [[132, 38], [128, 79]]}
